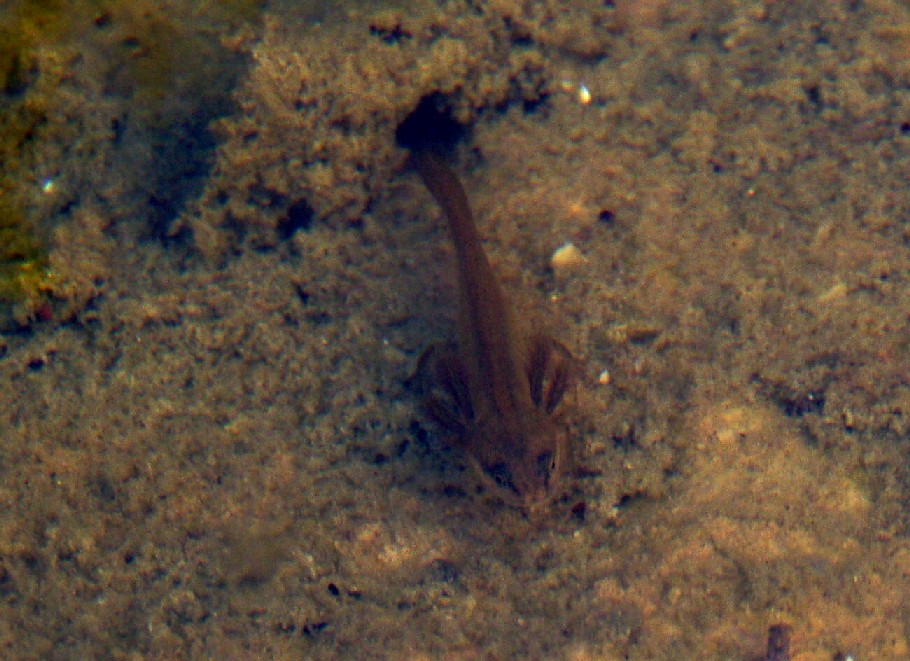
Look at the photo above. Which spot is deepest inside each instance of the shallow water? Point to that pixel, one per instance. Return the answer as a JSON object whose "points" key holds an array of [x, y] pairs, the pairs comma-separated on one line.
{"points": [[208, 450]]}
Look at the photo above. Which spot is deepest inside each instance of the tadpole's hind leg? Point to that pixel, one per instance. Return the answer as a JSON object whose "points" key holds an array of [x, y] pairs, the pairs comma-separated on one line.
{"points": [[442, 381], [551, 371]]}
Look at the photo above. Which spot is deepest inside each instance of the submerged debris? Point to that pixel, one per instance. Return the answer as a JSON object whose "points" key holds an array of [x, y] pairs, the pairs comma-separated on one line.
{"points": [[778, 643]]}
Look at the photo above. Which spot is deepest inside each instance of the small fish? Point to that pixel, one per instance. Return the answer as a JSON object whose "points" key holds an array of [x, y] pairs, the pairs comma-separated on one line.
{"points": [[499, 390]]}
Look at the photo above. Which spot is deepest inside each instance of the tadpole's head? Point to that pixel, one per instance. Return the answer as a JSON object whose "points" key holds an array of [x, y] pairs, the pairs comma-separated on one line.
{"points": [[530, 478]]}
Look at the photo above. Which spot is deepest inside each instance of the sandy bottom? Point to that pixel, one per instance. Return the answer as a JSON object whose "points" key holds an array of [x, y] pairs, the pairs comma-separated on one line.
{"points": [[213, 455]]}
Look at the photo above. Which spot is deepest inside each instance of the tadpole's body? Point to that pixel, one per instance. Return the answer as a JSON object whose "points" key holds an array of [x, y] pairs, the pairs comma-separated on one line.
{"points": [[498, 389]]}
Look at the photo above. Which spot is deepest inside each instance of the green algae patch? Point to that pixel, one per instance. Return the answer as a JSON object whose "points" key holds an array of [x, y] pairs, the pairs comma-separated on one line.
{"points": [[27, 93], [25, 277], [23, 260], [167, 71], [25, 97]]}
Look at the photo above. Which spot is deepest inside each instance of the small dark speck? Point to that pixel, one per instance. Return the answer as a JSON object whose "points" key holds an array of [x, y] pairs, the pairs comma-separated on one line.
{"points": [[299, 217], [905, 128], [31, 561], [319, 317], [778, 643], [801, 404], [420, 434], [605, 216], [314, 628], [444, 571], [579, 509], [453, 491], [333, 590], [626, 440], [390, 35], [813, 93]]}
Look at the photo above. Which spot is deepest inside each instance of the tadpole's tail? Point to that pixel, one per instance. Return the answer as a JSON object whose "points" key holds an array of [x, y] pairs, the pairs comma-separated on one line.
{"points": [[443, 184]]}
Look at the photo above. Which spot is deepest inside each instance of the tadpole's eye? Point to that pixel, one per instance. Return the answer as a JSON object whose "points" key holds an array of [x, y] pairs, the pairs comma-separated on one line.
{"points": [[546, 464], [502, 476]]}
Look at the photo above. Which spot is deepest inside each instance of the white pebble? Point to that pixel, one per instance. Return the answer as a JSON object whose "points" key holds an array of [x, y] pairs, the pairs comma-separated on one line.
{"points": [[566, 256]]}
